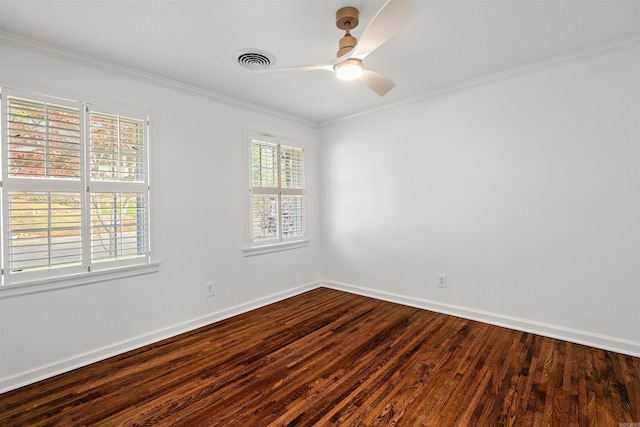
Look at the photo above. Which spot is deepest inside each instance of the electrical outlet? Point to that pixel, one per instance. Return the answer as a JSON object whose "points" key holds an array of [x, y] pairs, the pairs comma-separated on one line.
{"points": [[441, 280], [209, 288]]}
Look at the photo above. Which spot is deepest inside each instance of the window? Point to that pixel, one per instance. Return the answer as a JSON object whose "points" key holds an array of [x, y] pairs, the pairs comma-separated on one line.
{"points": [[277, 193], [75, 188]]}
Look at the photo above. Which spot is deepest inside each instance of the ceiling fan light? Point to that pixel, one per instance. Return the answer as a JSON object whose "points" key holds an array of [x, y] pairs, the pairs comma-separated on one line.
{"points": [[350, 69]]}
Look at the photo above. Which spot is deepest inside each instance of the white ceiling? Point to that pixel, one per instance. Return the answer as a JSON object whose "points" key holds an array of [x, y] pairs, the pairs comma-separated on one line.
{"points": [[194, 42]]}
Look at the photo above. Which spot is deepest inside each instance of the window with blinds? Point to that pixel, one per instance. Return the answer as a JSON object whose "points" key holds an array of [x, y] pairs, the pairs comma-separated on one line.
{"points": [[277, 192], [44, 230], [117, 175], [43, 140], [117, 148], [75, 188]]}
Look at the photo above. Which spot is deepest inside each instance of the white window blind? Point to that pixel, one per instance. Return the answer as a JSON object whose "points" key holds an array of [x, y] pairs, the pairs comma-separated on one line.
{"points": [[277, 192], [118, 225], [117, 148], [75, 188], [118, 188], [43, 140], [45, 230]]}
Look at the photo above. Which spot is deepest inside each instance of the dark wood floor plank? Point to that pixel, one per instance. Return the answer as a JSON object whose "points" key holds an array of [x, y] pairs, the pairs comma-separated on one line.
{"points": [[386, 380], [328, 358]]}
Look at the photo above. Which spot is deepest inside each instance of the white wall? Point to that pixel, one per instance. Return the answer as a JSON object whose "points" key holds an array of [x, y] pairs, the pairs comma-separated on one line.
{"points": [[524, 191], [198, 216]]}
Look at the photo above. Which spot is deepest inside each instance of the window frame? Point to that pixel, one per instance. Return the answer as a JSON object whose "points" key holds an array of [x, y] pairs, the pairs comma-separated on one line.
{"points": [[256, 247], [88, 270]]}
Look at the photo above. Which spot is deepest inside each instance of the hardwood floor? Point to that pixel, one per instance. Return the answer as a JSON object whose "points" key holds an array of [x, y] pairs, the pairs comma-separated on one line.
{"points": [[331, 358]]}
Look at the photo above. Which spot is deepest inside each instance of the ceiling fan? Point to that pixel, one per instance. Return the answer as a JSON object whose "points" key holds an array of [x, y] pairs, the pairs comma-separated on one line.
{"points": [[348, 63]]}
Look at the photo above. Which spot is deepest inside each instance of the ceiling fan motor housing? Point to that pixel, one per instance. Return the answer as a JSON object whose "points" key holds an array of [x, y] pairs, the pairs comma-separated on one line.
{"points": [[347, 19], [345, 44]]}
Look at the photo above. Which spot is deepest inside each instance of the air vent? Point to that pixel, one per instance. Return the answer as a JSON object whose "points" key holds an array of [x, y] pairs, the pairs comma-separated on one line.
{"points": [[255, 59]]}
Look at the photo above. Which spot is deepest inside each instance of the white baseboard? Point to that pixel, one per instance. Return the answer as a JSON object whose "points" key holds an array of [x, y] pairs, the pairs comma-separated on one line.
{"points": [[623, 346], [59, 367], [619, 345]]}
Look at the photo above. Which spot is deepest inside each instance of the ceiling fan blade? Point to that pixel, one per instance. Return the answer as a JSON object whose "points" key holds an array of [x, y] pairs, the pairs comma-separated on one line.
{"points": [[393, 16], [377, 82], [328, 66]]}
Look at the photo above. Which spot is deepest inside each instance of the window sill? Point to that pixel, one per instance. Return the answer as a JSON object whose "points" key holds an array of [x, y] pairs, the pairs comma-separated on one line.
{"points": [[259, 250], [71, 280]]}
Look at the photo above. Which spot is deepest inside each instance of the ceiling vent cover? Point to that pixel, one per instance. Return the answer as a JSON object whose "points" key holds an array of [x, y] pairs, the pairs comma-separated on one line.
{"points": [[255, 59]]}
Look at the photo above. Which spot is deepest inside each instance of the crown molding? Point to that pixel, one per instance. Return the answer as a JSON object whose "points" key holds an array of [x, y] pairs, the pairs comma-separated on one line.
{"points": [[574, 56], [46, 49], [13, 40]]}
